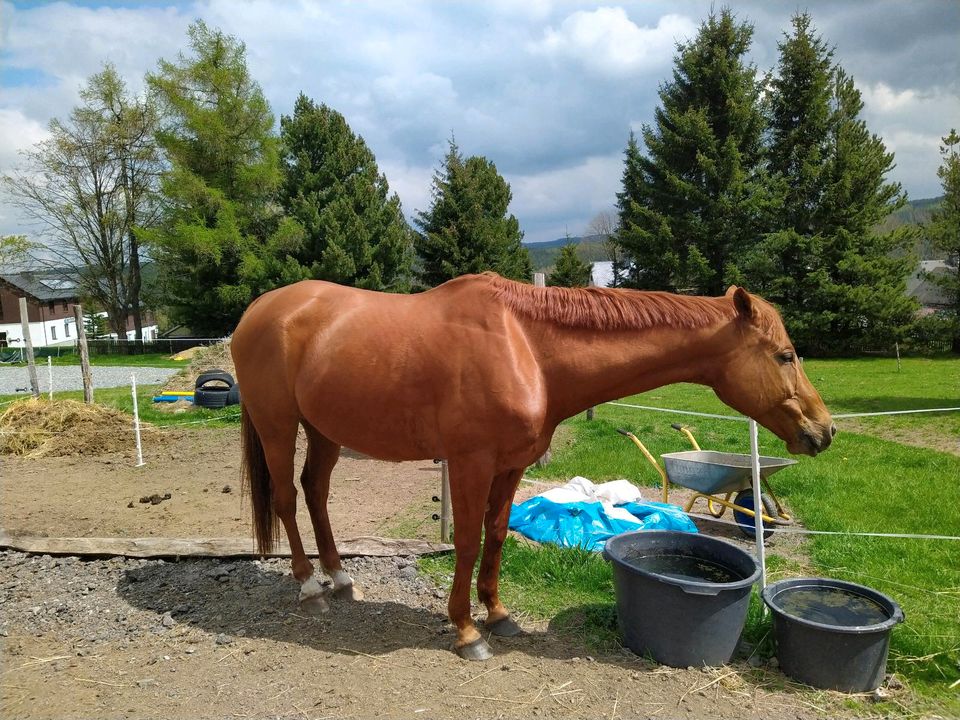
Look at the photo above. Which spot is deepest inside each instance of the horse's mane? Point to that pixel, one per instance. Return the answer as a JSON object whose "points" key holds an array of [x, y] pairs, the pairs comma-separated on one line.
{"points": [[614, 309]]}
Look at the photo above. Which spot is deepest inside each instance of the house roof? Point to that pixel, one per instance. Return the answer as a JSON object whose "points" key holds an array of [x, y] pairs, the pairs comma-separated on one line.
{"points": [[920, 286], [44, 285]]}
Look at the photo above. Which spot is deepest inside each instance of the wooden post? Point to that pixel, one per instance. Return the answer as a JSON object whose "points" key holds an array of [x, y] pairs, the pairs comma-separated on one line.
{"points": [[84, 355], [540, 280], [444, 502], [28, 344]]}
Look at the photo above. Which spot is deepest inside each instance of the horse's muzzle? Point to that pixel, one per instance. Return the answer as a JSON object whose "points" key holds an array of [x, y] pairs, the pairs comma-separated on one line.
{"points": [[812, 443]]}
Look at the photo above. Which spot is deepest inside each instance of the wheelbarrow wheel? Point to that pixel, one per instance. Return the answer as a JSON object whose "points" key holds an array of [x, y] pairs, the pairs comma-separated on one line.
{"points": [[747, 523]]}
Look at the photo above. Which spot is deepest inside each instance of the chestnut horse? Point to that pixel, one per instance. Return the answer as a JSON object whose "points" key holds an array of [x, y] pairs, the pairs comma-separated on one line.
{"points": [[480, 371]]}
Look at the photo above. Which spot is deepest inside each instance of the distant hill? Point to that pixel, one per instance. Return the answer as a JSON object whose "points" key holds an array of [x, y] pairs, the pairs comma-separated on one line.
{"points": [[544, 255], [591, 248]]}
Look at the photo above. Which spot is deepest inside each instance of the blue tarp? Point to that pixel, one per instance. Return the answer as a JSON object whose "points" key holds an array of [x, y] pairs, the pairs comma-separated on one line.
{"points": [[588, 525]]}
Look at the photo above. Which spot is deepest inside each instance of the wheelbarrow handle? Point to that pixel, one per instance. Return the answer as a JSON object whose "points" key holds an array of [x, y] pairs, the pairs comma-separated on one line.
{"points": [[625, 433], [676, 426]]}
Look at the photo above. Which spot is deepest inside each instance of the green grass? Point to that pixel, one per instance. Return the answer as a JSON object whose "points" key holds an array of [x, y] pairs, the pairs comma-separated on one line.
{"points": [[121, 399], [145, 360], [864, 483]]}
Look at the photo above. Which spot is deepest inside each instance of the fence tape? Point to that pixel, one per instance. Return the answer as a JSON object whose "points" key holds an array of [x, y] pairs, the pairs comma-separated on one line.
{"points": [[804, 531], [740, 418], [737, 418]]}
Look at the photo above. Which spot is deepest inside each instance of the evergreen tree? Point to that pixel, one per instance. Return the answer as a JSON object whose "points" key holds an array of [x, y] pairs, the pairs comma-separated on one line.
{"points": [[839, 280], [699, 195], [354, 231], [570, 270], [944, 228], [223, 240], [467, 229]]}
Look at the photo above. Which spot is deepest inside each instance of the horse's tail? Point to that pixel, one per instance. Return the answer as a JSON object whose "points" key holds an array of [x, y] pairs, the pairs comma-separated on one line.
{"points": [[256, 481]]}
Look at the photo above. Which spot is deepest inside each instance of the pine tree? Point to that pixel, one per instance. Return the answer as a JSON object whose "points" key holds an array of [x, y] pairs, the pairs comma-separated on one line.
{"points": [[354, 231], [467, 229], [839, 280], [223, 240], [699, 195], [944, 228], [570, 270]]}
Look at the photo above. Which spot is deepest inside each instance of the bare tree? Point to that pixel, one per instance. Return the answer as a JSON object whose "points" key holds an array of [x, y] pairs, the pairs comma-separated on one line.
{"points": [[89, 187], [605, 224]]}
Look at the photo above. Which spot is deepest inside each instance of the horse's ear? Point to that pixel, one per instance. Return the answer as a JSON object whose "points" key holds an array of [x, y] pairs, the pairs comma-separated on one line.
{"points": [[742, 302]]}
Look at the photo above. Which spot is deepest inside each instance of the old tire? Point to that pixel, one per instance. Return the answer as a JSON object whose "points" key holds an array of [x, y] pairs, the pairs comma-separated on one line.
{"points": [[233, 395], [215, 375], [211, 397]]}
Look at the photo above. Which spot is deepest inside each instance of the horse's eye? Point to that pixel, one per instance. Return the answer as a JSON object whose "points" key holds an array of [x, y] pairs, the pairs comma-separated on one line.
{"points": [[786, 357]]}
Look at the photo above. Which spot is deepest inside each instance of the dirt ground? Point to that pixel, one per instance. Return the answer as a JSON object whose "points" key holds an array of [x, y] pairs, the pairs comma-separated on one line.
{"points": [[221, 639]]}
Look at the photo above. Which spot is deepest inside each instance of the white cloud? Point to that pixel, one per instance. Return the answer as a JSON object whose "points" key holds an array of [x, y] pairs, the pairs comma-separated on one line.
{"points": [[577, 193], [610, 43], [17, 133], [881, 98]]}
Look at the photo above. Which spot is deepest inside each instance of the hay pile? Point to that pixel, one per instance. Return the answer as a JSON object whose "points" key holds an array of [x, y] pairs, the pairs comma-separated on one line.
{"points": [[214, 357], [58, 428]]}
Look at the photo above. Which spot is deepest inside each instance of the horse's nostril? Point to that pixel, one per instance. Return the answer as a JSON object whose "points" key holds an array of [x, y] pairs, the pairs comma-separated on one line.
{"points": [[833, 429]]}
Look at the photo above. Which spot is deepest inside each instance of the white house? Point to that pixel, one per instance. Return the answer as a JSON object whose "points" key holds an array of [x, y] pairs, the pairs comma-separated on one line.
{"points": [[50, 296]]}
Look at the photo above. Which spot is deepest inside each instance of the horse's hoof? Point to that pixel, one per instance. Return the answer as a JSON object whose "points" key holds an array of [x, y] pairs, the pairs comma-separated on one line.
{"points": [[314, 605], [348, 592], [504, 627], [477, 650]]}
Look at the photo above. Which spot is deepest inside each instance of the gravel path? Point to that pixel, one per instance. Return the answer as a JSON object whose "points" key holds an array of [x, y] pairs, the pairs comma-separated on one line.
{"points": [[67, 377]]}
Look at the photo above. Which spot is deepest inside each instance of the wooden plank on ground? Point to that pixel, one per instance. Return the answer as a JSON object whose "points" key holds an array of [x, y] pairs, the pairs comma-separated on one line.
{"points": [[205, 547]]}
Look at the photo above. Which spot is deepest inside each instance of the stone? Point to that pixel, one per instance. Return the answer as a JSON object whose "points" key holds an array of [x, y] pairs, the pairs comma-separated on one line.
{"points": [[224, 639], [168, 620]]}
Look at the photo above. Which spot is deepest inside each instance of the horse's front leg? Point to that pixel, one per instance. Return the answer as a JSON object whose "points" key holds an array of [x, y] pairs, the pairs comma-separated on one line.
{"points": [[470, 482], [496, 523]]}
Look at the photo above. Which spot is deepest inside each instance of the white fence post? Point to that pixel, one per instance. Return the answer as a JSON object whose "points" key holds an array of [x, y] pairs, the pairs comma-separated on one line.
{"points": [[757, 503], [136, 419], [50, 374]]}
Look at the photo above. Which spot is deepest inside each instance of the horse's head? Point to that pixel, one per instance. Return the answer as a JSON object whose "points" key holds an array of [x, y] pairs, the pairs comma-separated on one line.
{"points": [[761, 376]]}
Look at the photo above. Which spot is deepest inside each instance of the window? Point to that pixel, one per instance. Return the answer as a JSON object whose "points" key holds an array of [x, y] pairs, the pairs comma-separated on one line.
{"points": [[50, 306], [53, 332], [66, 329], [64, 305]]}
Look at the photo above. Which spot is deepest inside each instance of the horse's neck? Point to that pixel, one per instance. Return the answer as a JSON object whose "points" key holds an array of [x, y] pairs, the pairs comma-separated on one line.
{"points": [[584, 367]]}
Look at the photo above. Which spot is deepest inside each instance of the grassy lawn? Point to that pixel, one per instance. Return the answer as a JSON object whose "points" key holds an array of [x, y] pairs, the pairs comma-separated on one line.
{"points": [[121, 399], [71, 357], [866, 482]]}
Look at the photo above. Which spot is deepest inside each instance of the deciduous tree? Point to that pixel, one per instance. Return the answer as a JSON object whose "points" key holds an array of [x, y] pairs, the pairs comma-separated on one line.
{"points": [[224, 239], [90, 186]]}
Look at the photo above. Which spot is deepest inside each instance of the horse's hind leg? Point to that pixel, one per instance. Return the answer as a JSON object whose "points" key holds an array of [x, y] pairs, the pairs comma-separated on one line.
{"points": [[496, 523], [470, 479], [279, 447], [322, 455]]}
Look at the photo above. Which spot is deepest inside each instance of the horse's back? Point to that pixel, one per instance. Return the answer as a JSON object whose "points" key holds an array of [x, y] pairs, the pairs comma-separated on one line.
{"points": [[386, 374]]}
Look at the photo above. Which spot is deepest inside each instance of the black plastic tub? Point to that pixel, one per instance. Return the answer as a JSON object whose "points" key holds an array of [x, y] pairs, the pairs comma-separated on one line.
{"points": [[832, 634], [680, 619]]}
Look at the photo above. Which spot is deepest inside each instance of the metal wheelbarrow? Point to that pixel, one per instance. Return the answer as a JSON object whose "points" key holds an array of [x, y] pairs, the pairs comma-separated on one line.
{"points": [[718, 476]]}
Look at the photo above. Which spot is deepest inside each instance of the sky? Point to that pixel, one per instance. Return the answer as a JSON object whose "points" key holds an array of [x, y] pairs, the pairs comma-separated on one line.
{"points": [[547, 90]]}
